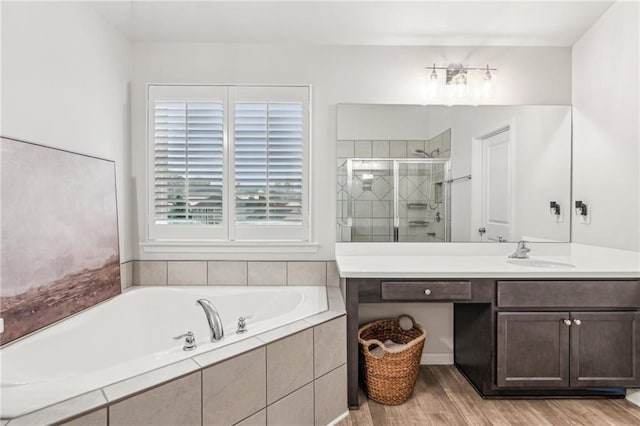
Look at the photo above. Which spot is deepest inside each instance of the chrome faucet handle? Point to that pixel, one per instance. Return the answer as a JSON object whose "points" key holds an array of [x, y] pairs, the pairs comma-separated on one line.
{"points": [[521, 251], [242, 325], [189, 340]]}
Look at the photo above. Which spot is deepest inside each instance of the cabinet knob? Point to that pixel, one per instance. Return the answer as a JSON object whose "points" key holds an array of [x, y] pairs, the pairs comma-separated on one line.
{"points": [[427, 291], [567, 322], [577, 322]]}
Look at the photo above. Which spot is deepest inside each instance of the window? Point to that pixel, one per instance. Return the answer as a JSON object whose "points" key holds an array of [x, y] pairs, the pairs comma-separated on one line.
{"points": [[228, 163]]}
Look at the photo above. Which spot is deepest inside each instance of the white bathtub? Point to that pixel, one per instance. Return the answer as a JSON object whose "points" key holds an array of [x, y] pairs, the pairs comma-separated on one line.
{"points": [[132, 334]]}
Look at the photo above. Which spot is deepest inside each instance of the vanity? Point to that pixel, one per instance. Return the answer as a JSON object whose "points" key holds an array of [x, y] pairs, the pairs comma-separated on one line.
{"points": [[564, 323]]}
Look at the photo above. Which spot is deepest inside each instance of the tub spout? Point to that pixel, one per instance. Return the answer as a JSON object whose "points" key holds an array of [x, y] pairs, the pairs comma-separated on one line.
{"points": [[215, 324]]}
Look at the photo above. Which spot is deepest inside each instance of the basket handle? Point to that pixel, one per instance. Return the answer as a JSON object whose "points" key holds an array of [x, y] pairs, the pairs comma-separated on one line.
{"points": [[367, 343], [413, 322]]}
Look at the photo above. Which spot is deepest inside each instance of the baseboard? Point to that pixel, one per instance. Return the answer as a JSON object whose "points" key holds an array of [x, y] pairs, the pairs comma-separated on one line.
{"points": [[437, 359], [339, 418], [633, 396]]}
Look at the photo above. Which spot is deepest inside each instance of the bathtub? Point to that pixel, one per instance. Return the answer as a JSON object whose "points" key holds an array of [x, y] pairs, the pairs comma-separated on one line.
{"points": [[134, 333]]}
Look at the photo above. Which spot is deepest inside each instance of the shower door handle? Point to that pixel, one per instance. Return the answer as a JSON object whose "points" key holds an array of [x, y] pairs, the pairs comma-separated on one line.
{"points": [[396, 234], [481, 231]]}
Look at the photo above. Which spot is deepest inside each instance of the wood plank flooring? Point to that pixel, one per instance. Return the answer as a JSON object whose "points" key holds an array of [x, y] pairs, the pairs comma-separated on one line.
{"points": [[443, 397]]}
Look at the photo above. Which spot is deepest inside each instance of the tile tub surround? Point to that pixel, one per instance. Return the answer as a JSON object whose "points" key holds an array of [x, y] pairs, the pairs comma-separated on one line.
{"points": [[219, 272], [185, 390]]}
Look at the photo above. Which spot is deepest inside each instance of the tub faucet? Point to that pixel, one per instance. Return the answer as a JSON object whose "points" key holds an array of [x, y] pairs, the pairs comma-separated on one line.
{"points": [[215, 324], [521, 251]]}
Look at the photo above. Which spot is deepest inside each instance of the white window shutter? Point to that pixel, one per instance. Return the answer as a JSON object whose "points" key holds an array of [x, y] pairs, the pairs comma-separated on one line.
{"points": [[269, 147], [186, 128]]}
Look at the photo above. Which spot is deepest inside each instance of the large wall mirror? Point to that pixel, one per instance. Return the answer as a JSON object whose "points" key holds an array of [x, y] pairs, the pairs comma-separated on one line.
{"points": [[453, 174]]}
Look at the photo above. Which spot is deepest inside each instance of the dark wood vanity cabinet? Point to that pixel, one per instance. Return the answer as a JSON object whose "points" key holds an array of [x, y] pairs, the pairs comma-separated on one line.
{"points": [[567, 349], [524, 338]]}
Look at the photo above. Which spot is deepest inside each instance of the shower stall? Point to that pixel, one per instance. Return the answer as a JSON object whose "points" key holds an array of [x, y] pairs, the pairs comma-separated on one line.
{"points": [[399, 199]]}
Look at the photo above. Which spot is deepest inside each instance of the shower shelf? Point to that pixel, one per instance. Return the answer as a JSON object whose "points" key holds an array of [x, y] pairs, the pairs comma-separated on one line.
{"points": [[419, 223], [417, 205]]}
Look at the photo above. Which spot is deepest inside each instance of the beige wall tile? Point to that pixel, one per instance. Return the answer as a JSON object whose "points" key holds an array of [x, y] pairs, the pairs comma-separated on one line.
{"points": [[149, 272], [294, 410], [289, 364], [330, 393], [258, 419], [397, 149], [227, 273], [187, 273], [175, 403], [97, 418], [333, 277], [306, 273], [267, 273], [234, 389], [329, 346]]}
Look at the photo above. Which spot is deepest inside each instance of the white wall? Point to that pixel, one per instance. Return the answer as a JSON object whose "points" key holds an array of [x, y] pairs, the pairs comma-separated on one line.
{"points": [[339, 74], [606, 136], [65, 75]]}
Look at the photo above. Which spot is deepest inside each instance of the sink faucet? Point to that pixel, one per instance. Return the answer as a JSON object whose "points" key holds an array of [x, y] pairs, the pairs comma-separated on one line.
{"points": [[215, 324], [521, 251]]}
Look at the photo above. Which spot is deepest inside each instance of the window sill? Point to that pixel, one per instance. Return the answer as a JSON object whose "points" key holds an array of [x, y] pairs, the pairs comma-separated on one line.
{"points": [[229, 247]]}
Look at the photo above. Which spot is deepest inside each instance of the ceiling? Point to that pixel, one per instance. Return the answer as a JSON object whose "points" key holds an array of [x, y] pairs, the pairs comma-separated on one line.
{"points": [[400, 23]]}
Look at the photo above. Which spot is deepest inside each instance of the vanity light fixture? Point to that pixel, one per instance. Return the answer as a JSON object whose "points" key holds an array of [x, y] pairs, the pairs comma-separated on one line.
{"points": [[458, 81], [554, 208], [581, 208]]}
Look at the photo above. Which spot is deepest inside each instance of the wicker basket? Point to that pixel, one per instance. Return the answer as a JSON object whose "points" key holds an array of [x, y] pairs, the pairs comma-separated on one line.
{"points": [[389, 378]]}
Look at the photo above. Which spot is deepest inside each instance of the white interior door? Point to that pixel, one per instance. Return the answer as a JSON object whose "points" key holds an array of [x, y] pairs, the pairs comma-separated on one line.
{"points": [[497, 197]]}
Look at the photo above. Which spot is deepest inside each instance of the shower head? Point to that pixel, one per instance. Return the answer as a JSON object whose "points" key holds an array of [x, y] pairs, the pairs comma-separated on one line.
{"points": [[432, 154]]}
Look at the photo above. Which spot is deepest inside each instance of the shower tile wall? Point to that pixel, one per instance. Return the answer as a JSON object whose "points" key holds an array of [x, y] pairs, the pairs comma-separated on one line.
{"points": [[373, 209]]}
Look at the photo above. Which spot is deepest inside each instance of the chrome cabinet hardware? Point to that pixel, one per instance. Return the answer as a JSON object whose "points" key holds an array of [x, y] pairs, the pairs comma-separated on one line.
{"points": [[427, 291], [189, 341], [567, 322], [577, 322]]}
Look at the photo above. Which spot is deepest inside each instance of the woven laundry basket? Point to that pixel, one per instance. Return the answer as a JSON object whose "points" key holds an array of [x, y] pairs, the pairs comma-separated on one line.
{"points": [[390, 375]]}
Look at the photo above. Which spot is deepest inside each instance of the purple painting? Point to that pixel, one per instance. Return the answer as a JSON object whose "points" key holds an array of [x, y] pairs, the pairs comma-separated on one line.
{"points": [[59, 235]]}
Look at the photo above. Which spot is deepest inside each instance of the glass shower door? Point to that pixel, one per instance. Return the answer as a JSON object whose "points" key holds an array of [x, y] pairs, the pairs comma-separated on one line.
{"points": [[421, 200]]}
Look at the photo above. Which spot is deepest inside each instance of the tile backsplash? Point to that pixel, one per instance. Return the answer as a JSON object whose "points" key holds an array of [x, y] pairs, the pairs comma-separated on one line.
{"points": [[218, 272]]}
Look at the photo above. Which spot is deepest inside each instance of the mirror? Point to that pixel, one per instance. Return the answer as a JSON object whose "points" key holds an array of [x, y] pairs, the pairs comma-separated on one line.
{"points": [[453, 174]]}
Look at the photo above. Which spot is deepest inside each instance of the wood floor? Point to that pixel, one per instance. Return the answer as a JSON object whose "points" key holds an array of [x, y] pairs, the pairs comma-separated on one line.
{"points": [[443, 397]]}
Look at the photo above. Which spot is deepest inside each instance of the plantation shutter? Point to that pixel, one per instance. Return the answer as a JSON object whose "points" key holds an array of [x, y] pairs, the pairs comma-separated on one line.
{"points": [[268, 162], [228, 163], [270, 132], [188, 161]]}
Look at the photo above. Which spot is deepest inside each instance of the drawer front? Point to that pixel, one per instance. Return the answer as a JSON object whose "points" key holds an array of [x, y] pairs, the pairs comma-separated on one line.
{"points": [[569, 294], [426, 290]]}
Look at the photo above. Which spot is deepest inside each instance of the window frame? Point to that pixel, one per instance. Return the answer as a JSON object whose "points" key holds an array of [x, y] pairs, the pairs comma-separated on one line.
{"points": [[228, 232]]}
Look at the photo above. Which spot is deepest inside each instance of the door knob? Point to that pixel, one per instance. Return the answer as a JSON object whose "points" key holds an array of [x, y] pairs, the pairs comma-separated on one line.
{"points": [[567, 322], [577, 322]]}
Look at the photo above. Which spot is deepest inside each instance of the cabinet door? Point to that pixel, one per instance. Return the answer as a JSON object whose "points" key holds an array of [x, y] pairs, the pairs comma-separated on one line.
{"points": [[533, 349], [604, 349]]}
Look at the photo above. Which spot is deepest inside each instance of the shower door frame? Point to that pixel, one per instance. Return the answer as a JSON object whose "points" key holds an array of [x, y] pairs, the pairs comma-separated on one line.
{"points": [[446, 190]]}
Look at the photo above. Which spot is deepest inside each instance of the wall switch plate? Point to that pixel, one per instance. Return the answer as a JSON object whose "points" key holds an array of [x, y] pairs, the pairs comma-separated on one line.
{"points": [[559, 217]]}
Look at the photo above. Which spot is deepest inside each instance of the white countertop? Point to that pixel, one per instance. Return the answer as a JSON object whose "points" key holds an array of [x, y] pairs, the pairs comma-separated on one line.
{"points": [[477, 260]]}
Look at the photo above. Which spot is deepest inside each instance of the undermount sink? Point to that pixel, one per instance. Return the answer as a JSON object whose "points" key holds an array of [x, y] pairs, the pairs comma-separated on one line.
{"points": [[539, 263]]}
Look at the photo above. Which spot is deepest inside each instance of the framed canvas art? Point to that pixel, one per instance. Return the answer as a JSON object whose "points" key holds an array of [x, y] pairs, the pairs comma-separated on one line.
{"points": [[59, 235]]}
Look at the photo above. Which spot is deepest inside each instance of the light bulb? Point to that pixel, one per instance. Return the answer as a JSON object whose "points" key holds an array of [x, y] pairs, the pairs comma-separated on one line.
{"points": [[487, 84], [432, 85], [460, 90]]}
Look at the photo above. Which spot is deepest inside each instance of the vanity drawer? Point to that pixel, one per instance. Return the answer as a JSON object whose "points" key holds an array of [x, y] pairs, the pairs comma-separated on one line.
{"points": [[569, 294], [426, 290]]}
